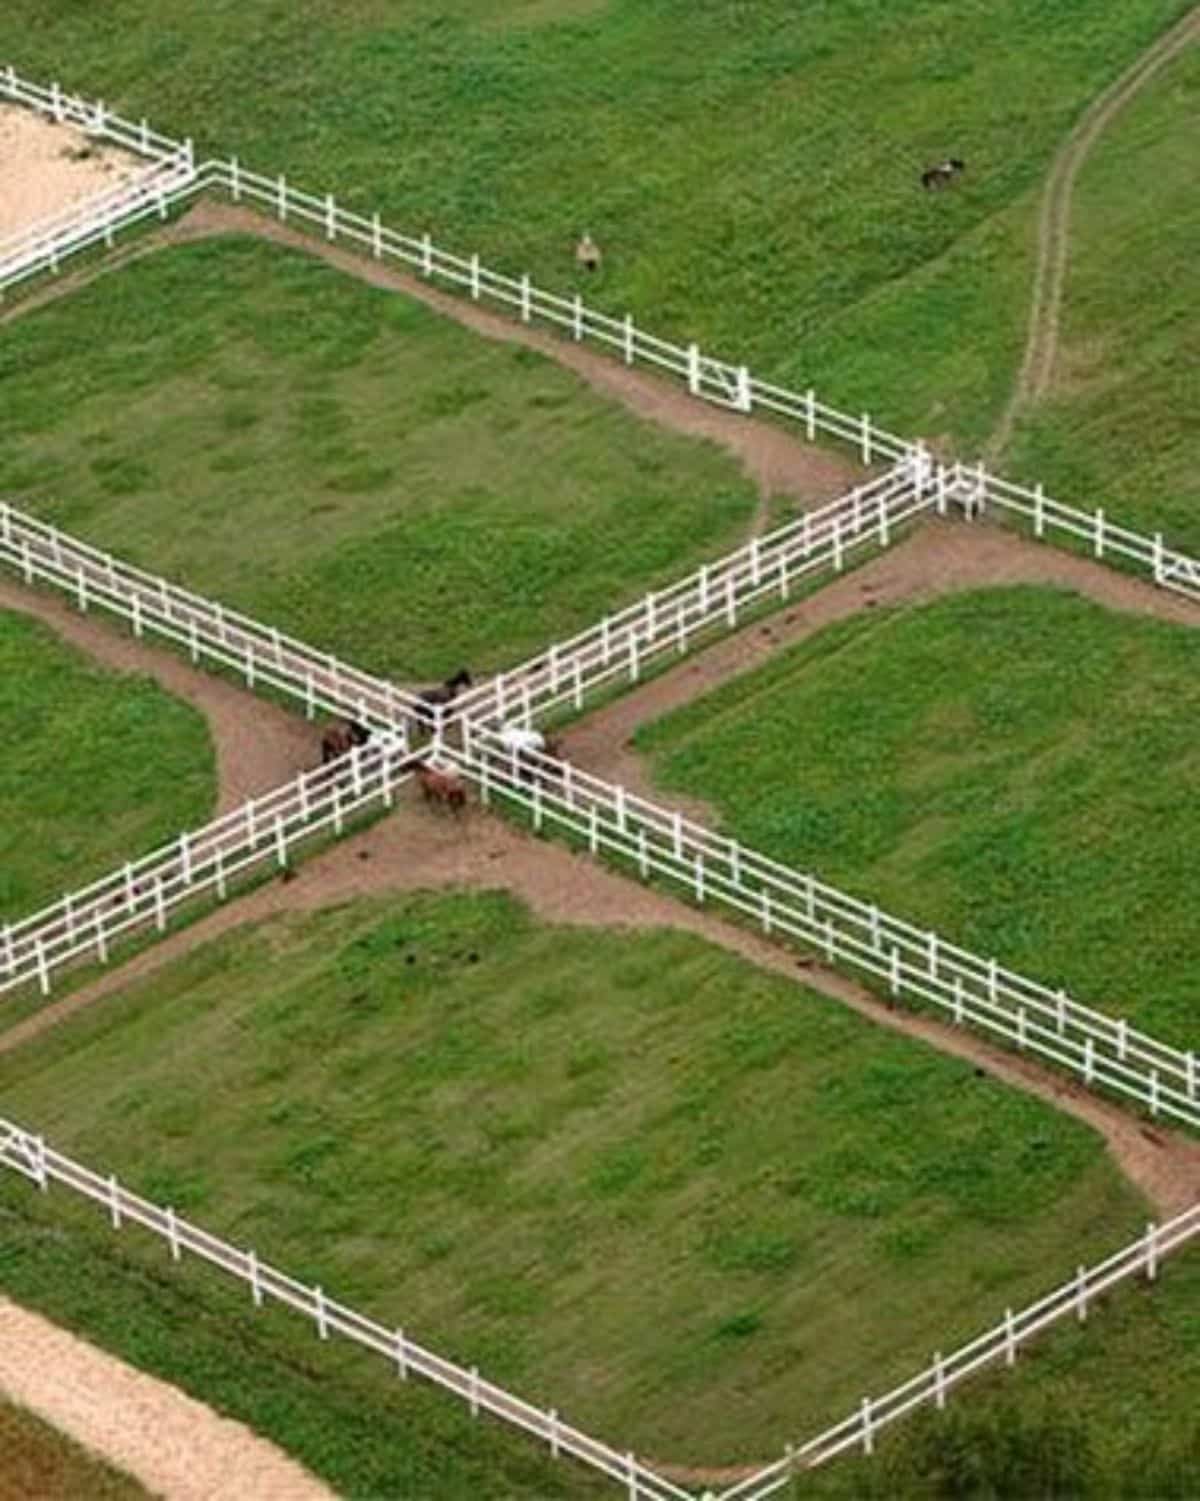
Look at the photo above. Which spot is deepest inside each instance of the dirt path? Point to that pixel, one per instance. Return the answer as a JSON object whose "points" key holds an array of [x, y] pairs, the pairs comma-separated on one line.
{"points": [[775, 460], [177, 1447], [257, 744], [940, 557], [1041, 345]]}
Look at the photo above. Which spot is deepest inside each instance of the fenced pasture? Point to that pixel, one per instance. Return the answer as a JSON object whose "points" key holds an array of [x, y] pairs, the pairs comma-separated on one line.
{"points": [[619, 1172], [371, 449], [650, 840], [954, 758], [685, 171], [107, 795]]}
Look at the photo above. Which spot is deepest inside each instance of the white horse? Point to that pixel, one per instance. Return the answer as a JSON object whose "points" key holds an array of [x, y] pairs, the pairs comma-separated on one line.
{"points": [[517, 739]]}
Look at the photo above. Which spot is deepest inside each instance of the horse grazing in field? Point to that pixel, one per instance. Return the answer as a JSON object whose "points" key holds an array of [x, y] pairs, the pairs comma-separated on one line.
{"points": [[437, 698], [587, 254], [443, 788], [943, 174], [341, 738]]}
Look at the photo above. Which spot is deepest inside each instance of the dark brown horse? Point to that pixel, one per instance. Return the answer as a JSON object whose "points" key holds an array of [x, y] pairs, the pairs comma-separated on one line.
{"points": [[437, 698], [943, 174], [442, 788], [341, 738]]}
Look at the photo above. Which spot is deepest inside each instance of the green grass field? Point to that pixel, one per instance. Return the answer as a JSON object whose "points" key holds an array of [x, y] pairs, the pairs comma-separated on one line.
{"points": [[97, 768], [1014, 767], [344, 463], [37, 1463], [752, 173], [1118, 429], [629, 1176]]}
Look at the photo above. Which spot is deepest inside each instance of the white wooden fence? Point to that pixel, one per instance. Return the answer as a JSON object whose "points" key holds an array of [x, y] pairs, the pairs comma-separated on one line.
{"points": [[29, 1155], [670, 620], [977, 491], [261, 834], [1105, 1052], [262, 655], [44, 245], [997, 1346]]}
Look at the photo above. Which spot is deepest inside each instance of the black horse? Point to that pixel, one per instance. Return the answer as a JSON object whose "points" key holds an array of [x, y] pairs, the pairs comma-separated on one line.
{"points": [[943, 174], [445, 693], [341, 738]]}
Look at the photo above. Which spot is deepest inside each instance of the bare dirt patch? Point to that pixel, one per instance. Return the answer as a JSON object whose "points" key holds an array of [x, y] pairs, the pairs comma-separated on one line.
{"points": [[258, 745], [45, 167], [174, 1445]]}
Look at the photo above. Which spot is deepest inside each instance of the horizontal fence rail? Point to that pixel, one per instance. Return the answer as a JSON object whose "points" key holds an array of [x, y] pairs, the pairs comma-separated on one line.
{"points": [[261, 655], [93, 116], [31, 1157], [998, 1346], [667, 621], [1105, 1052], [259, 835], [977, 491]]}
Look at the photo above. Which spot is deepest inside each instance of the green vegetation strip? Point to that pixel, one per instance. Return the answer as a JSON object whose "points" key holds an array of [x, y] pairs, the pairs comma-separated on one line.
{"points": [[340, 461], [752, 176], [1015, 768], [38, 1461], [97, 767], [1118, 427], [691, 1205]]}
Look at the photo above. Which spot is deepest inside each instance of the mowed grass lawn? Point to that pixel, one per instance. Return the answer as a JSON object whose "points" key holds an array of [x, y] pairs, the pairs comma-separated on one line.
{"points": [[97, 767], [693, 1206], [1014, 767], [342, 462], [36, 1461], [1118, 428], [752, 173]]}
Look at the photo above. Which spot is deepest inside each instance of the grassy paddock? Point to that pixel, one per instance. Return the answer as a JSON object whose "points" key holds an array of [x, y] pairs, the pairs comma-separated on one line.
{"points": [[1118, 428], [97, 767], [632, 1177], [1012, 767], [343, 462], [752, 174], [36, 1461]]}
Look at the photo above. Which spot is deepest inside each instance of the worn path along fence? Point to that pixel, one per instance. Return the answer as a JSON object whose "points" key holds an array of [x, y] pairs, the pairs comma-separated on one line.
{"points": [[916, 964], [260, 834], [29, 1155], [170, 170], [668, 621], [262, 655]]}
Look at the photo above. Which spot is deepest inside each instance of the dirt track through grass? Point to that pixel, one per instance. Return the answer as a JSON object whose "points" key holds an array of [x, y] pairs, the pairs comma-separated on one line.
{"points": [[1054, 222]]}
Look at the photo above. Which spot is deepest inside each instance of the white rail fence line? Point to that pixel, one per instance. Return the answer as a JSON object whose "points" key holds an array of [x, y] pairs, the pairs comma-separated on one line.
{"points": [[44, 245], [976, 491], [999, 1345], [32, 1158], [915, 963], [263, 832], [261, 655], [665, 622]]}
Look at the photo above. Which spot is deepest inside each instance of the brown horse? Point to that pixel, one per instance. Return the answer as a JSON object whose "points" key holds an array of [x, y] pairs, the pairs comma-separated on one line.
{"points": [[341, 738], [444, 789], [436, 698]]}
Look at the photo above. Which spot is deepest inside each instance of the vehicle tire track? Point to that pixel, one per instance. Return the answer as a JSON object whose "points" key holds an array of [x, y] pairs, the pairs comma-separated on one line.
{"points": [[1041, 343]]}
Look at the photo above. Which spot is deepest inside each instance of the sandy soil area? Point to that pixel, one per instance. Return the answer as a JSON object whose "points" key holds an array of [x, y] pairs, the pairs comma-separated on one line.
{"points": [[45, 167], [175, 1446]]}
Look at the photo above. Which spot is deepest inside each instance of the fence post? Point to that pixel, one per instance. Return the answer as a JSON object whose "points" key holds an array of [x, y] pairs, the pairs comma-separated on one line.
{"points": [[1039, 510], [810, 414], [255, 1284], [837, 544], [426, 255], [1010, 1339], [235, 181], [631, 1471], [939, 1381], [628, 338], [172, 1234], [525, 307], [553, 1433], [866, 438], [1151, 1251], [745, 397], [1081, 1295], [577, 318], [475, 276], [330, 218], [281, 197], [114, 1201], [319, 1307], [401, 1362], [1158, 557], [1099, 531], [376, 236], [693, 369], [868, 1436]]}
